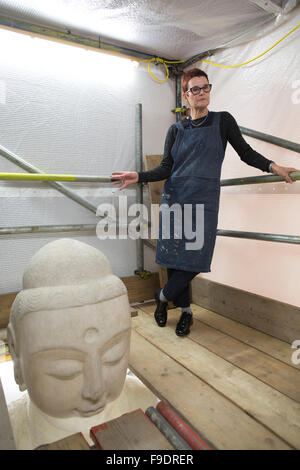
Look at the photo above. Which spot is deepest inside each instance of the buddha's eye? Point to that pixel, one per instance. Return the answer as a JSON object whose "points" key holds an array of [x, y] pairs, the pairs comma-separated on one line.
{"points": [[112, 362], [64, 369], [114, 355]]}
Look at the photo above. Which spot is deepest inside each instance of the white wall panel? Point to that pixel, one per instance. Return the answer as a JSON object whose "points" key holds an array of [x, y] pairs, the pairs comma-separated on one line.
{"points": [[66, 109]]}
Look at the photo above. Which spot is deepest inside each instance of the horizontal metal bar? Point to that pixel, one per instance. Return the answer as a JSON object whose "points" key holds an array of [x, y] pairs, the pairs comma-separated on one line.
{"points": [[150, 243], [58, 186], [287, 144], [107, 179], [68, 36], [295, 175], [52, 228], [55, 177], [270, 237], [47, 229]]}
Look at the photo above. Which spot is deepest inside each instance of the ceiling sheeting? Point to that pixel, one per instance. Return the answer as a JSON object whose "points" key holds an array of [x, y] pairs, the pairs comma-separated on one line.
{"points": [[172, 29]]}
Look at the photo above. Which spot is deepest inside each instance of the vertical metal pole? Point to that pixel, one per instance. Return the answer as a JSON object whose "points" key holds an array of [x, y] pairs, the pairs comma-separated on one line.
{"points": [[178, 97], [139, 190]]}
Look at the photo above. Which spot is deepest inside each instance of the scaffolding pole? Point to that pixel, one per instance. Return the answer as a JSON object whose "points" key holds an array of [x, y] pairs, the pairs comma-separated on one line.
{"points": [[295, 175], [287, 144], [139, 189], [58, 186]]}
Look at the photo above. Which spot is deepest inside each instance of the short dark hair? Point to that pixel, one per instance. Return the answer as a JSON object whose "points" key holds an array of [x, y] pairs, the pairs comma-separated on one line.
{"points": [[187, 76]]}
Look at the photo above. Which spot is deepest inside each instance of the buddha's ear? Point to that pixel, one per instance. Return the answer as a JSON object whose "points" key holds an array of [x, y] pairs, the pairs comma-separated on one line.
{"points": [[11, 337]]}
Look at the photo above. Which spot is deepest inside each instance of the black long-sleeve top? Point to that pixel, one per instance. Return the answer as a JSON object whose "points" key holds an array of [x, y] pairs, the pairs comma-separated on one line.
{"points": [[230, 132]]}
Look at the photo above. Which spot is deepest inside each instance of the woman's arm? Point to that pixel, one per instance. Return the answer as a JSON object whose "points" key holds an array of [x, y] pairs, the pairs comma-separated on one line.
{"points": [[250, 156], [242, 148], [161, 172]]}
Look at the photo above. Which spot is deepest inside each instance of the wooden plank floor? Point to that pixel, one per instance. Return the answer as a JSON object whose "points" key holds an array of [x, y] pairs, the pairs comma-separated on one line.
{"points": [[236, 386]]}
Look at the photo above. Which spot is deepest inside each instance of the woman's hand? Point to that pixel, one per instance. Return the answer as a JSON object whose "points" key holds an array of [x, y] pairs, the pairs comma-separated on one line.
{"points": [[125, 177], [283, 171]]}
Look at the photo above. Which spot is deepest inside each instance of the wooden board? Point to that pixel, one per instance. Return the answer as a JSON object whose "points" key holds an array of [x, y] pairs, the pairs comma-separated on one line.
{"points": [[266, 368], [7, 441], [260, 341], [275, 318], [133, 312], [73, 442], [131, 431], [6, 301], [155, 187], [263, 402], [155, 192], [220, 421], [139, 289]]}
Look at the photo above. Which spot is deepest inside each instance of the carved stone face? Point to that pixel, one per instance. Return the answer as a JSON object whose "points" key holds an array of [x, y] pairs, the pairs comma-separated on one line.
{"points": [[69, 330], [74, 360]]}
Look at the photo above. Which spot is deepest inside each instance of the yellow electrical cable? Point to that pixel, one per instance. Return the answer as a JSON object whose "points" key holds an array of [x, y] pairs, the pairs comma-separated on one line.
{"points": [[244, 63], [164, 62]]}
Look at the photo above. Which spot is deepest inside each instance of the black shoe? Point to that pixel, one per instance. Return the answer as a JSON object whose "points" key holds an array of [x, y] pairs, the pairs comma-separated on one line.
{"points": [[183, 326], [160, 313]]}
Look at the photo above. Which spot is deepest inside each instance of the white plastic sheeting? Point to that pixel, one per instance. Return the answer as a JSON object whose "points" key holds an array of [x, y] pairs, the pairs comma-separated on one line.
{"points": [[66, 109], [69, 110], [172, 29], [264, 96]]}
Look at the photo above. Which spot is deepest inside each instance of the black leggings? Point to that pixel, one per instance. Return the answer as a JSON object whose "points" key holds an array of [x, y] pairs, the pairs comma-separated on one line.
{"points": [[177, 287]]}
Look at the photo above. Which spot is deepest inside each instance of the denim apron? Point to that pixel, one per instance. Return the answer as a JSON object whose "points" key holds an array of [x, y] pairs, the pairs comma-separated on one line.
{"points": [[198, 155]]}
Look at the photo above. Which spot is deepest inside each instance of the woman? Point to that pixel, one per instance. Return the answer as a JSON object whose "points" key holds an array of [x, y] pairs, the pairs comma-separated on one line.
{"points": [[193, 155]]}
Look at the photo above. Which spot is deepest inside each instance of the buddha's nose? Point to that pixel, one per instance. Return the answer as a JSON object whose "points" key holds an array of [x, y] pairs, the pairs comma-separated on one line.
{"points": [[94, 386]]}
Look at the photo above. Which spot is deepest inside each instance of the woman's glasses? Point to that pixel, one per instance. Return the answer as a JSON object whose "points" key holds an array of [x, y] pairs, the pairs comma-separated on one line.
{"points": [[195, 90]]}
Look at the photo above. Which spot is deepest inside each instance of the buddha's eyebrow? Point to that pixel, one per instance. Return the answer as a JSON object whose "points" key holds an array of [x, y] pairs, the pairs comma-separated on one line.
{"points": [[72, 353], [60, 353]]}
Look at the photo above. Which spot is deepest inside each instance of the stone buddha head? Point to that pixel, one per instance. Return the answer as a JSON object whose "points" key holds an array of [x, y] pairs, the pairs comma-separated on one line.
{"points": [[69, 330]]}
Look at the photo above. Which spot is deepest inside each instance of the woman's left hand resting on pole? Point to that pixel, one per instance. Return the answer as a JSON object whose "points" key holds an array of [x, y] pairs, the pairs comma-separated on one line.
{"points": [[125, 177], [283, 171]]}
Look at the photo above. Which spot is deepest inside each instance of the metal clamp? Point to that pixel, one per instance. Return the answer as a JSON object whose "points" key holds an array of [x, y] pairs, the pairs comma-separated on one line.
{"points": [[143, 274]]}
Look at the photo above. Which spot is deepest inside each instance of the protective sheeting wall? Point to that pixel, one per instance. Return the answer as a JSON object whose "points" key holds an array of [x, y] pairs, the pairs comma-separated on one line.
{"points": [[172, 29], [66, 109], [264, 96]]}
